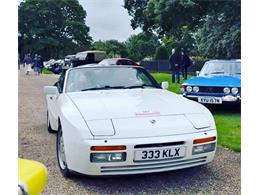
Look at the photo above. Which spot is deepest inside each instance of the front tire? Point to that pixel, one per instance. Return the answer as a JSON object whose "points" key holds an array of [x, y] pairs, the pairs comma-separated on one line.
{"points": [[61, 154]]}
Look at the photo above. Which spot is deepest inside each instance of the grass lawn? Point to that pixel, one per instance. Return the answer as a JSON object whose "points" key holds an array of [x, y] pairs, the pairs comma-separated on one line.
{"points": [[46, 71], [228, 119]]}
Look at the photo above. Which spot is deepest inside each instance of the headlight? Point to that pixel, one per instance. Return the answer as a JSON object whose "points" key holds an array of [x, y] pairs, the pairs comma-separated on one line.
{"points": [[226, 90], [189, 88], [108, 157], [203, 148], [234, 90], [196, 89]]}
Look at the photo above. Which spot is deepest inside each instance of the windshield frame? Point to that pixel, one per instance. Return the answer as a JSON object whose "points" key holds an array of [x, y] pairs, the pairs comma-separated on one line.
{"points": [[155, 84]]}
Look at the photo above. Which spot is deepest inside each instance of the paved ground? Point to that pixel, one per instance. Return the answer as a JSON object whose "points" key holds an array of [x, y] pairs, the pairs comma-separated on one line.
{"points": [[222, 176]]}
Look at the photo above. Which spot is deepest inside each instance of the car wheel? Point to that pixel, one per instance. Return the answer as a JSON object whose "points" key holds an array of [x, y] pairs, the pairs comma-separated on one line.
{"points": [[50, 130], [61, 154]]}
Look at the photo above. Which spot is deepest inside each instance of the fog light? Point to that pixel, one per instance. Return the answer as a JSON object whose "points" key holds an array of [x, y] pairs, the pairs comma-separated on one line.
{"points": [[108, 157], [229, 98], [203, 148]]}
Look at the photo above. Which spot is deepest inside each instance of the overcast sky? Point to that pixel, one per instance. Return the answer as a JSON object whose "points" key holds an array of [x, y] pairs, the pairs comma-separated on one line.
{"points": [[108, 19]]}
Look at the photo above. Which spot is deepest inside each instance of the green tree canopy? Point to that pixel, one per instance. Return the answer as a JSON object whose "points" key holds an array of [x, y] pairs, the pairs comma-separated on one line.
{"points": [[208, 28], [142, 45], [53, 28], [161, 53], [113, 48]]}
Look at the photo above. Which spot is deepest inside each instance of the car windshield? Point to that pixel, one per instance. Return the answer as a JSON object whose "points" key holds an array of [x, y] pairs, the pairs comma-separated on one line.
{"points": [[229, 68], [94, 78]]}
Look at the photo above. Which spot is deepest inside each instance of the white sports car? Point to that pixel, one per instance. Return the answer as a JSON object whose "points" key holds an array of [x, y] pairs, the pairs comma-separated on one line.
{"points": [[114, 120]]}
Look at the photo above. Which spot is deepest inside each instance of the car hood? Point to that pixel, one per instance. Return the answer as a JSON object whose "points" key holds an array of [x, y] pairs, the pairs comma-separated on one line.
{"points": [[215, 81], [139, 112]]}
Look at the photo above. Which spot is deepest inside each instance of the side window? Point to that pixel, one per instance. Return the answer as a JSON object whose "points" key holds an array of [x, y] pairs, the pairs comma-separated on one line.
{"points": [[90, 58], [119, 62], [126, 62], [60, 82]]}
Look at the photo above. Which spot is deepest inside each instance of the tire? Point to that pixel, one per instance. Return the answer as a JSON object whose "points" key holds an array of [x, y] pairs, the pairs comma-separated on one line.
{"points": [[50, 130], [61, 155]]}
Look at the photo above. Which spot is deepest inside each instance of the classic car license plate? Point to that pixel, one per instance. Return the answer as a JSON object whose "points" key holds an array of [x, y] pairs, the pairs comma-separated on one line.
{"points": [[156, 154], [210, 100]]}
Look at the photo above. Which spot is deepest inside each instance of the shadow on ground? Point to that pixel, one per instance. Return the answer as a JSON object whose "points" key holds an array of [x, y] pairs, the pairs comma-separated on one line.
{"points": [[219, 109], [196, 178]]}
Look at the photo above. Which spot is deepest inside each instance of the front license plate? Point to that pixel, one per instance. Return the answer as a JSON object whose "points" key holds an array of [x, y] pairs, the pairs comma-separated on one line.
{"points": [[157, 154], [210, 100]]}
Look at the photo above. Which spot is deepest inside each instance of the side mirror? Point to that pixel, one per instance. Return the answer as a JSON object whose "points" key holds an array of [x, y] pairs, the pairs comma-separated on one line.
{"points": [[164, 85], [197, 73], [50, 90]]}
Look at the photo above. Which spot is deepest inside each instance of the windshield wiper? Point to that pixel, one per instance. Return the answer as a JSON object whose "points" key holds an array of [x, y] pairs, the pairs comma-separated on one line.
{"points": [[138, 86], [105, 87], [237, 73], [217, 72]]}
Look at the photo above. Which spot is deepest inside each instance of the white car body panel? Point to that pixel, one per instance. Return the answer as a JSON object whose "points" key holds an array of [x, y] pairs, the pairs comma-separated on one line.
{"points": [[80, 156], [129, 117]]}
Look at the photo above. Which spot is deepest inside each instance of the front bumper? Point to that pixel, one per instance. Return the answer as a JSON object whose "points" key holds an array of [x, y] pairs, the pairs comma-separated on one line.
{"points": [[81, 161], [226, 99]]}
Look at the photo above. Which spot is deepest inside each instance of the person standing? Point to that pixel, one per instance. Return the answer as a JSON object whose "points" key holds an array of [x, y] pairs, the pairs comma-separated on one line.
{"points": [[40, 64], [28, 63], [174, 66], [185, 63], [36, 65]]}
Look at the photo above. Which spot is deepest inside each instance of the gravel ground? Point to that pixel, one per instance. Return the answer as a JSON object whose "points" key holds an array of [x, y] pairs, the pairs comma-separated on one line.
{"points": [[222, 176]]}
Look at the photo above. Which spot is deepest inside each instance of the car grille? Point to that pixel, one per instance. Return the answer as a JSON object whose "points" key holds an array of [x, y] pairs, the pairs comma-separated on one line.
{"points": [[211, 89], [159, 144], [158, 166]]}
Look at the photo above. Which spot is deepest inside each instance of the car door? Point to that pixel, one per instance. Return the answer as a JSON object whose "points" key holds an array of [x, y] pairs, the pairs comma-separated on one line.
{"points": [[52, 101]]}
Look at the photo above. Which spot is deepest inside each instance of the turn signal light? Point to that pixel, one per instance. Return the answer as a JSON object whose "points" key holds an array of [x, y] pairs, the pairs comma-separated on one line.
{"points": [[204, 140], [107, 148]]}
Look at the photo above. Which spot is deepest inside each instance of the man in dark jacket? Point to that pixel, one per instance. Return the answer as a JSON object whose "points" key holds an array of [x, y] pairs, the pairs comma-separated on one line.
{"points": [[185, 63], [36, 65], [41, 66], [174, 61]]}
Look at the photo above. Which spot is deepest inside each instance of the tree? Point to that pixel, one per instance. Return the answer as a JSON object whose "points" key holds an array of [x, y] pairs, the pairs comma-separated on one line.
{"points": [[142, 45], [196, 25], [53, 28], [161, 53], [220, 34], [113, 48]]}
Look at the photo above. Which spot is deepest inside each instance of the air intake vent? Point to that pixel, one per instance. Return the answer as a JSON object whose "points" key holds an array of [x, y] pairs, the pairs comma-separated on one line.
{"points": [[159, 144]]}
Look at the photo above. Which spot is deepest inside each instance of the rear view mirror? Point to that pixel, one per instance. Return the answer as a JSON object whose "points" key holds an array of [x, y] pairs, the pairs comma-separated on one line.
{"points": [[164, 85], [197, 73], [50, 90]]}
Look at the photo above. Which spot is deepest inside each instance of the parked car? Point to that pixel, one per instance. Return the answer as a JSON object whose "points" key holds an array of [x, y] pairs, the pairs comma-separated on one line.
{"points": [[47, 64], [68, 60], [88, 57], [57, 66], [114, 120], [218, 82], [118, 61]]}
